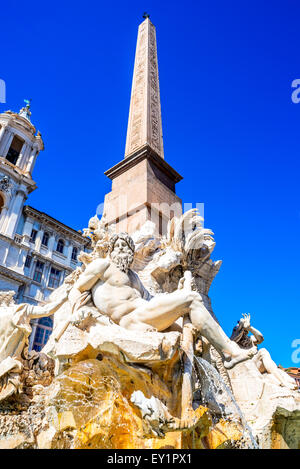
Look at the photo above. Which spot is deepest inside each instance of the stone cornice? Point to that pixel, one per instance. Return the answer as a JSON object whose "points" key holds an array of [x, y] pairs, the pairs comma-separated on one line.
{"points": [[145, 152], [14, 275], [50, 261], [17, 174], [24, 125], [15, 121], [59, 227]]}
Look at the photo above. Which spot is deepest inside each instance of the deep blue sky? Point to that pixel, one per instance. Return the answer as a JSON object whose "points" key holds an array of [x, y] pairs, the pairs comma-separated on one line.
{"points": [[230, 128]]}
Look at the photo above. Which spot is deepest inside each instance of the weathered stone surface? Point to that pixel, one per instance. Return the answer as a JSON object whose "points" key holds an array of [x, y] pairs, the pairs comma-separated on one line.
{"points": [[20, 422], [77, 344], [223, 435], [285, 430], [92, 401]]}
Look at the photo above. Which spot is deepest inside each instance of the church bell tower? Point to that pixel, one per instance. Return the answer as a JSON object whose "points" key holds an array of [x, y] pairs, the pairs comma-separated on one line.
{"points": [[19, 147], [143, 183]]}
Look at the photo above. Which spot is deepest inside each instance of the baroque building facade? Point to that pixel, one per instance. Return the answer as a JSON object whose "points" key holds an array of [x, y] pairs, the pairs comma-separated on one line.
{"points": [[36, 251]]}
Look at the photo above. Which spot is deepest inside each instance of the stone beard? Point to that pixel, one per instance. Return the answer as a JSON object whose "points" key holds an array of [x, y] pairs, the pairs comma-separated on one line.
{"points": [[122, 260]]}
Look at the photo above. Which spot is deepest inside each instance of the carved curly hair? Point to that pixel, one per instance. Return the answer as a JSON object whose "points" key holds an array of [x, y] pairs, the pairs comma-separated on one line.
{"points": [[125, 237]]}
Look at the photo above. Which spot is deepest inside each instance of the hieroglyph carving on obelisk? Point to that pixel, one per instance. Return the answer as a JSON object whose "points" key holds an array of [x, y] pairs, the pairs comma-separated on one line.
{"points": [[144, 124]]}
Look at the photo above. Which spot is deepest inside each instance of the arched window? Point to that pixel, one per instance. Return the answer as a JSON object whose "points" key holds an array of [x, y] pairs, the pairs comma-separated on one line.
{"points": [[74, 254], [14, 150], [45, 239], [60, 246]]}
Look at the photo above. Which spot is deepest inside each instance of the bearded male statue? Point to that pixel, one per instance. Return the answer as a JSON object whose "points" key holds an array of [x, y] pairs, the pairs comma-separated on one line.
{"points": [[118, 293]]}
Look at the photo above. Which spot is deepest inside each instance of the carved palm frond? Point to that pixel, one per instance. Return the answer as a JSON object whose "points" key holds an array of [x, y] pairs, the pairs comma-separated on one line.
{"points": [[186, 224], [171, 229], [198, 238], [187, 234]]}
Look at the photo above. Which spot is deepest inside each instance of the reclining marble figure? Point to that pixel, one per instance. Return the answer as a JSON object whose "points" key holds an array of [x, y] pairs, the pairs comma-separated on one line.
{"points": [[118, 293], [262, 359]]}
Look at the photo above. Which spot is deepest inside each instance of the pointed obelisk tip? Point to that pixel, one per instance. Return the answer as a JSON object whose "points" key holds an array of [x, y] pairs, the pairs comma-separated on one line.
{"points": [[144, 122], [146, 15]]}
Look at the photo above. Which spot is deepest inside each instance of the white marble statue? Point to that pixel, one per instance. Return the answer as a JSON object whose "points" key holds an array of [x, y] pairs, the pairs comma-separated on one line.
{"points": [[14, 332], [118, 293], [262, 359]]}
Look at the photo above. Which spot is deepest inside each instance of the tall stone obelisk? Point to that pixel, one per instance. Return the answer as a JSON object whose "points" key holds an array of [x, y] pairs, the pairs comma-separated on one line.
{"points": [[143, 183], [144, 123]]}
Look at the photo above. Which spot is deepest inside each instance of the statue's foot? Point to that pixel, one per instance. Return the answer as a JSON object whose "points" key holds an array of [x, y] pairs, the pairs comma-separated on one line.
{"points": [[286, 380], [241, 356]]}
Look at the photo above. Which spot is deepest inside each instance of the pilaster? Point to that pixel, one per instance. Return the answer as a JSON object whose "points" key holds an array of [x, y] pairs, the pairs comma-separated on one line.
{"points": [[15, 213], [8, 137]]}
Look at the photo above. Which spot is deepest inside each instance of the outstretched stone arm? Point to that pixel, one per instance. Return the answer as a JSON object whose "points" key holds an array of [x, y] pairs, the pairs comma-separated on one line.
{"points": [[35, 312]]}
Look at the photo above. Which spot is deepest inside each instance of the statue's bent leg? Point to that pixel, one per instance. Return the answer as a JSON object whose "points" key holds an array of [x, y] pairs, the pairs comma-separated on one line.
{"points": [[159, 313], [162, 310], [271, 368], [210, 329]]}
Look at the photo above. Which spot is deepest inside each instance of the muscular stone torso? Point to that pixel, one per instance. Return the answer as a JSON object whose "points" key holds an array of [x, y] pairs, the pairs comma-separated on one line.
{"points": [[117, 293]]}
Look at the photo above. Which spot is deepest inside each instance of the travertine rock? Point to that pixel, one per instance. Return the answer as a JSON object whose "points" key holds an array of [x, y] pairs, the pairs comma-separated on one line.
{"points": [[115, 340]]}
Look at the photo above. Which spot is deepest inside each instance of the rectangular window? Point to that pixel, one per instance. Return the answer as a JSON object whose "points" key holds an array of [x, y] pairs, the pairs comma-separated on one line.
{"points": [[39, 267], [42, 334], [33, 236], [74, 254], [60, 246], [28, 261], [45, 239], [54, 278]]}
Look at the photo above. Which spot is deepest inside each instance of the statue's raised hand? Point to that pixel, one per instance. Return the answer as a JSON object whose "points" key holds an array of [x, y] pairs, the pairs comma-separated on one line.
{"points": [[246, 321]]}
